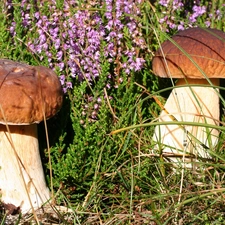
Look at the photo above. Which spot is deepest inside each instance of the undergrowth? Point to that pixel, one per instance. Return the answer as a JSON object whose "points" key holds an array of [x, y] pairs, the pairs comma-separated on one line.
{"points": [[110, 178]]}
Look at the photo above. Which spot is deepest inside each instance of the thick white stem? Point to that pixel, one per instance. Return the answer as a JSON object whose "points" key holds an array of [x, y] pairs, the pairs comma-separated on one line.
{"points": [[21, 172], [191, 104]]}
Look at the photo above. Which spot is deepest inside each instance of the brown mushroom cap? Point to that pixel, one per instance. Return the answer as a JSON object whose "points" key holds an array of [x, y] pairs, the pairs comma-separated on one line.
{"points": [[27, 93], [205, 46]]}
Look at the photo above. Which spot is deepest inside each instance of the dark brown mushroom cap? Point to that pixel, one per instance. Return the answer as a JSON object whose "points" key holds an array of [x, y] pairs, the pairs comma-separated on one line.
{"points": [[27, 93], [205, 46]]}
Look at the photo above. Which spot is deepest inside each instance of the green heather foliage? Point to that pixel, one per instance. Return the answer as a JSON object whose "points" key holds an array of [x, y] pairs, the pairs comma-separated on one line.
{"points": [[105, 71]]}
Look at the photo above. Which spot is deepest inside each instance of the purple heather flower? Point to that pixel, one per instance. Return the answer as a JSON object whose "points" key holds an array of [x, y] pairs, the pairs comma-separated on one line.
{"points": [[171, 25], [207, 23], [99, 100], [180, 27], [94, 115], [164, 2], [192, 18], [69, 85], [139, 63], [61, 66], [218, 14], [199, 10], [37, 15], [31, 46], [45, 46], [109, 25], [177, 4], [26, 20], [59, 55], [131, 26], [127, 71], [23, 2], [12, 29], [57, 43], [108, 15], [96, 55], [95, 73], [62, 79], [96, 106], [109, 8], [42, 39]]}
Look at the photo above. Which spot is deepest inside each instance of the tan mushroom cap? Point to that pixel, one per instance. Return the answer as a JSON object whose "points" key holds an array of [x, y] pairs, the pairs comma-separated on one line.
{"points": [[205, 46], [27, 93]]}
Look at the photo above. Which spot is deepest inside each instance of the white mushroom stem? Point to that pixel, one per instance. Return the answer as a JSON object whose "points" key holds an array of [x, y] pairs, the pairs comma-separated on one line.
{"points": [[191, 104], [22, 181]]}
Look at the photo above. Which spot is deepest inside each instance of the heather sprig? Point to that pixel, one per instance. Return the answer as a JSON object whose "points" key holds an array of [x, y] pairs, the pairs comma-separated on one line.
{"points": [[193, 13], [71, 40]]}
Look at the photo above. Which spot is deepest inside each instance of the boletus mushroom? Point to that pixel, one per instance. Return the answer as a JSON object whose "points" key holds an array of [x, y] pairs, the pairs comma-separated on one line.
{"points": [[196, 58], [28, 95]]}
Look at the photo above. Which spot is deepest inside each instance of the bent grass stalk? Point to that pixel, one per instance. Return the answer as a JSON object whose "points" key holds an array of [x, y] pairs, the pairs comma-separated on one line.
{"points": [[47, 140], [180, 123]]}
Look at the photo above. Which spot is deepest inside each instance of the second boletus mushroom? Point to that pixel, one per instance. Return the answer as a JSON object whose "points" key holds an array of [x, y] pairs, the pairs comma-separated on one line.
{"points": [[196, 58], [28, 95]]}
